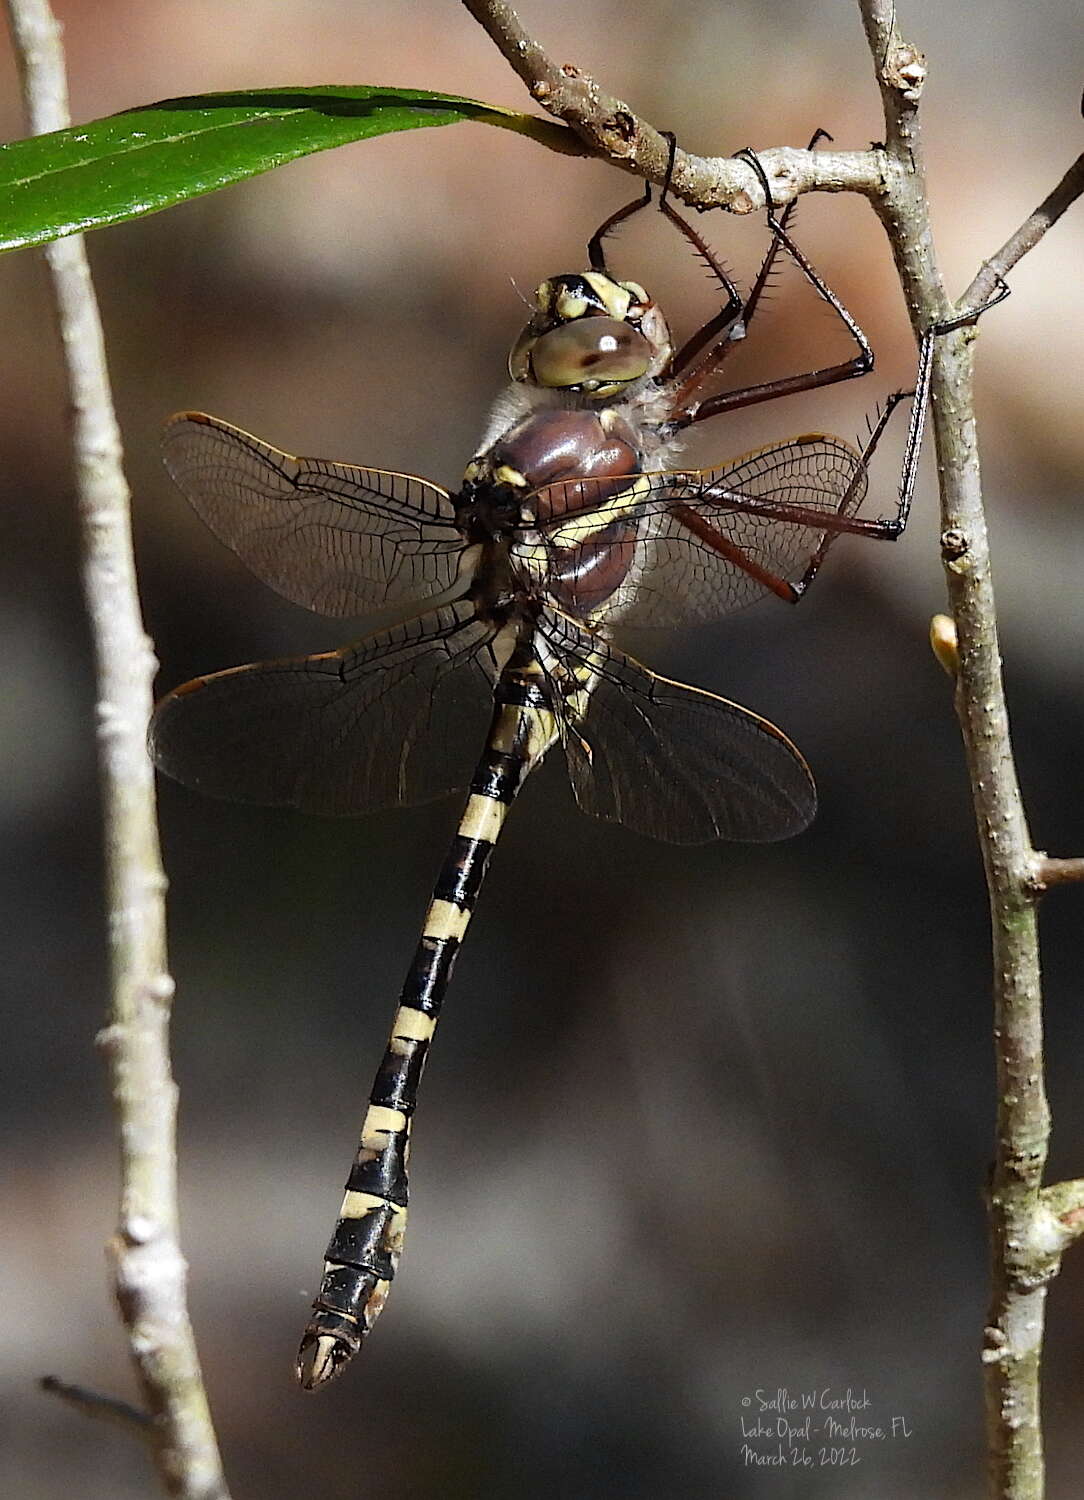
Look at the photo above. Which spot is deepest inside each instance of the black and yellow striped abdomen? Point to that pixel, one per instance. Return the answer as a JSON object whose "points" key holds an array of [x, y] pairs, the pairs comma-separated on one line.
{"points": [[364, 1250]]}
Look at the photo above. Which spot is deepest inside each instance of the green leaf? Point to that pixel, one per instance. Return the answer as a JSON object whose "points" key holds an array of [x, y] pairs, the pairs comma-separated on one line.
{"points": [[147, 159]]}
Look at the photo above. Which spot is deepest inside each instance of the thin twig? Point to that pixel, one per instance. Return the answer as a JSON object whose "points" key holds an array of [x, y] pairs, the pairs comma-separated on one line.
{"points": [[149, 1271], [1050, 871], [102, 1408], [1027, 236], [615, 132]]}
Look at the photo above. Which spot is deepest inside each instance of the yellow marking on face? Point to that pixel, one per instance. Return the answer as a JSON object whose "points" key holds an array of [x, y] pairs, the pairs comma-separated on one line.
{"points": [[380, 1122], [472, 471], [543, 296], [583, 526], [612, 294], [569, 306], [445, 920], [505, 474], [357, 1205], [413, 1024], [482, 818]]}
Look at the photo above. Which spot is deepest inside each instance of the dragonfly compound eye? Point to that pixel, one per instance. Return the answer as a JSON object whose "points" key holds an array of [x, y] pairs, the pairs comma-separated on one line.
{"points": [[597, 355]]}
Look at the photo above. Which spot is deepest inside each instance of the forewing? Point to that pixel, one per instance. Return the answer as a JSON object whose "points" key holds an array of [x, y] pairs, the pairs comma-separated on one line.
{"points": [[399, 717], [337, 539], [666, 760], [676, 577]]}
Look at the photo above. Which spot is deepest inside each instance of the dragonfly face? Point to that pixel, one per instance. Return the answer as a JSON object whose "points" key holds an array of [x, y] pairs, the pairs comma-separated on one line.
{"points": [[592, 336]]}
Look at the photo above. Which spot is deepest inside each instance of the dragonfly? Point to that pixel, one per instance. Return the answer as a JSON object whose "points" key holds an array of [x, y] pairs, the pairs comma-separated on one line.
{"points": [[572, 517]]}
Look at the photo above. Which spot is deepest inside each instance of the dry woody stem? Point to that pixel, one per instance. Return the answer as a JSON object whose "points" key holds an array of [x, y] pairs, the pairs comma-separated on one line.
{"points": [[148, 1268], [609, 128], [1029, 1226]]}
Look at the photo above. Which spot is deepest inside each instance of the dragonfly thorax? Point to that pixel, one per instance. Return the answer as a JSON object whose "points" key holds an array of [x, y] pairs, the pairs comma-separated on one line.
{"points": [[591, 335], [560, 486], [564, 459]]}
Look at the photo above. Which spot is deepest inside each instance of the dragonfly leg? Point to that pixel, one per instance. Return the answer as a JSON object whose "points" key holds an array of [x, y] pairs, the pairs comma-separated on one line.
{"points": [[595, 254], [364, 1251], [731, 309], [829, 524], [696, 376], [890, 529], [689, 409]]}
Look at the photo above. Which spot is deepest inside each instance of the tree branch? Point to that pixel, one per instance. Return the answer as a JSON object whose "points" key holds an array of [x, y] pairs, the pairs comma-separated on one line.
{"points": [[614, 132], [1026, 1240], [149, 1271]]}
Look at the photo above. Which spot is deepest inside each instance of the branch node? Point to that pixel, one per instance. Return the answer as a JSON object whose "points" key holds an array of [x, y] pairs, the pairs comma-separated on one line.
{"points": [[138, 1229], [954, 545], [994, 1345], [161, 988], [905, 71]]}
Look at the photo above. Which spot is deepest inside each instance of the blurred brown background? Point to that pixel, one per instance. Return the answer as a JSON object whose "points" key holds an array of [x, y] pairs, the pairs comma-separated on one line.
{"points": [[777, 1182]]}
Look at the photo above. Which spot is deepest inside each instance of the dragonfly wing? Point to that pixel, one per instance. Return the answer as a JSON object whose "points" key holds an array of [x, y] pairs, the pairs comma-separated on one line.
{"points": [[338, 540], [666, 760], [675, 576], [396, 718], [685, 581]]}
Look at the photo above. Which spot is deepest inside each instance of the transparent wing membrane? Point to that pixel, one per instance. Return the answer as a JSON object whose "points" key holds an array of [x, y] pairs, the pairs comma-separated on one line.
{"points": [[337, 539], [399, 717], [668, 761], [710, 541]]}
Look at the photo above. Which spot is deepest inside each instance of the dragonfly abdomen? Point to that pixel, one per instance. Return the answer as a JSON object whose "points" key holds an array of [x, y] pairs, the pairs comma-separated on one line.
{"points": [[363, 1253]]}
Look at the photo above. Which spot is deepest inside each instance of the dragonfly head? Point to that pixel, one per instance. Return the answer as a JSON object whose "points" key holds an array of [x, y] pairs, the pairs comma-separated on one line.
{"points": [[592, 336]]}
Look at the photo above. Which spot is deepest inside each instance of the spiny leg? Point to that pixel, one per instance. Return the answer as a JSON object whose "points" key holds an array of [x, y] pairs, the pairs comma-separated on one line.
{"points": [[841, 520], [729, 319], [693, 378], [830, 523], [595, 254], [690, 410], [835, 523], [733, 305], [920, 394], [364, 1250], [772, 254], [889, 530]]}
